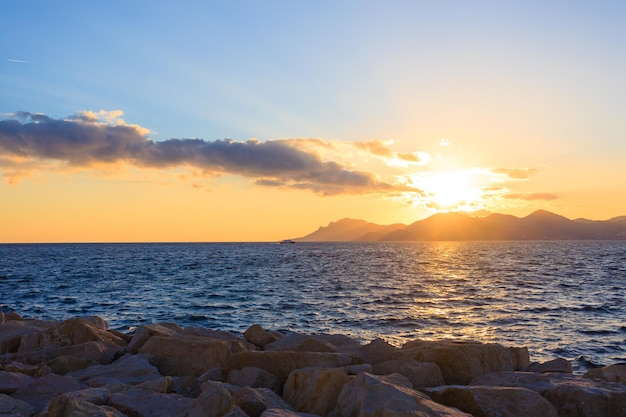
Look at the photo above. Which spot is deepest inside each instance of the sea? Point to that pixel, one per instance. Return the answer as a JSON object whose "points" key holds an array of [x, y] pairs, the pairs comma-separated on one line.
{"points": [[558, 298]]}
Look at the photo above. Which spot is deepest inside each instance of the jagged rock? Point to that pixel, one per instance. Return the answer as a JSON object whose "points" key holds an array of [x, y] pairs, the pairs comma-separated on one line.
{"points": [[315, 390], [256, 335], [253, 401], [421, 374], [378, 351], [10, 406], [12, 331], [129, 369], [41, 390], [101, 351], [483, 401], [144, 333], [612, 373], [79, 330], [179, 355], [74, 407], [555, 365], [161, 385], [254, 378], [139, 402], [63, 364], [460, 361], [374, 396], [279, 412], [283, 362], [572, 396], [315, 343], [214, 400], [31, 370], [12, 381]]}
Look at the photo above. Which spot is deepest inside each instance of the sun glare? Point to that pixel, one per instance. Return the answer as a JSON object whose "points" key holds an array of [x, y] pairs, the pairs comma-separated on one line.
{"points": [[450, 191]]}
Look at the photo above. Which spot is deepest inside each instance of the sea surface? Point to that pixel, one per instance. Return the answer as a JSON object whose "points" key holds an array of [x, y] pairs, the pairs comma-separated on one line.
{"points": [[560, 299]]}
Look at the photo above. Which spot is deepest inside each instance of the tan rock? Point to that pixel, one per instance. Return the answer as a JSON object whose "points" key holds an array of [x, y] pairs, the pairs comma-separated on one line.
{"points": [[41, 390], [253, 401], [12, 331], [315, 390], [138, 402], [421, 374], [32, 370], [374, 396], [555, 365], [162, 385], [315, 343], [80, 330], [12, 381], [460, 361], [144, 333], [279, 412], [254, 378], [129, 369], [256, 335], [73, 407], [611, 373], [378, 351], [179, 355], [483, 401], [102, 351], [214, 400], [282, 363], [10, 406], [63, 364]]}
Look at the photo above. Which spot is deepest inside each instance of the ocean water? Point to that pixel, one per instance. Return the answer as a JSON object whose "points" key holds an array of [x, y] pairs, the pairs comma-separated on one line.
{"points": [[560, 299]]}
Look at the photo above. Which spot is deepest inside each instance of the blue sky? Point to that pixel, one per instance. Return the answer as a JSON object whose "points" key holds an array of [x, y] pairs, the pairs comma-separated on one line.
{"points": [[532, 86]]}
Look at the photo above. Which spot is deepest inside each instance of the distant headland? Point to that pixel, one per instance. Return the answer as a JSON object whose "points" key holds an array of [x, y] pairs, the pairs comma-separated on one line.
{"points": [[540, 225]]}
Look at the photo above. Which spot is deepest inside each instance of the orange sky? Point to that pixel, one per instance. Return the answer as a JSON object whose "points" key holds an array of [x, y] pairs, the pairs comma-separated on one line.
{"points": [[249, 123]]}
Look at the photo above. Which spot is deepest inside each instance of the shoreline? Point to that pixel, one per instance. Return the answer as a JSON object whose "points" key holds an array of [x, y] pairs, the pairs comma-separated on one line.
{"points": [[79, 365]]}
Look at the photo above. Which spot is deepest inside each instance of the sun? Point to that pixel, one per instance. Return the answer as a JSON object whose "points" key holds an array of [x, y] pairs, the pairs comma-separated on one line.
{"points": [[451, 190]]}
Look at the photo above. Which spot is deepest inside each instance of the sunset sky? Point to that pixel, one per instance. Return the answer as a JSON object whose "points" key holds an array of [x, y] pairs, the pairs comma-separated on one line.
{"points": [[263, 120]]}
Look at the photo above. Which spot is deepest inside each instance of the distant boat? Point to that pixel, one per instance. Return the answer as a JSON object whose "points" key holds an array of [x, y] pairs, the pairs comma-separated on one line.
{"points": [[287, 241]]}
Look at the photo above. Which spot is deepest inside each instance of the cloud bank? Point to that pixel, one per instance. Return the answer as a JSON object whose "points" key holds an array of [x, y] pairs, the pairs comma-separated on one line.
{"points": [[90, 139]]}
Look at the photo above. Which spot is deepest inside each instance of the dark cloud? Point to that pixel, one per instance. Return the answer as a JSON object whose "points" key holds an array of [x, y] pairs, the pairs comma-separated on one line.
{"points": [[84, 140]]}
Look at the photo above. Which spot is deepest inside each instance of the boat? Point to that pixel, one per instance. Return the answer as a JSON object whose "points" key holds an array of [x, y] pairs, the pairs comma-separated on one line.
{"points": [[282, 242]]}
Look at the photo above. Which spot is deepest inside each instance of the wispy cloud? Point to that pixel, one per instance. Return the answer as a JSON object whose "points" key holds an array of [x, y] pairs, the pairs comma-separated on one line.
{"points": [[18, 61], [515, 173], [90, 139], [532, 196]]}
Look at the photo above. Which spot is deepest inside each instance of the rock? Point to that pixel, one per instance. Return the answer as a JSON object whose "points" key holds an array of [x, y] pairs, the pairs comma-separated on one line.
{"points": [[139, 402], [101, 351], [179, 355], [421, 374], [254, 378], [214, 400], [315, 390], [12, 381], [256, 335], [10, 406], [282, 363], [374, 396], [612, 373], [483, 401], [253, 401], [570, 395], [73, 407], [279, 412], [31, 370], [129, 369], [315, 343], [63, 364], [40, 391], [12, 331], [555, 365], [144, 333], [357, 369], [162, 385], [378, 351], [461, 361], [79, 330]]}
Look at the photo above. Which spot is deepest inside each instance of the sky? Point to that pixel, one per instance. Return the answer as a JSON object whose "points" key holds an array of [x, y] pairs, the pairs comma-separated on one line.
{"points": [[264, 120]]}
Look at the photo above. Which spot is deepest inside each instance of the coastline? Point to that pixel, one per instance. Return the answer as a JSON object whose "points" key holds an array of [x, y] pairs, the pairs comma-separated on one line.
{"points": [[79, 366]]}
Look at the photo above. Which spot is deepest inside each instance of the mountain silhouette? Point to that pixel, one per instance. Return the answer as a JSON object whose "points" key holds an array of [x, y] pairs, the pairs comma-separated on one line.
{"points": [[539, 225]]}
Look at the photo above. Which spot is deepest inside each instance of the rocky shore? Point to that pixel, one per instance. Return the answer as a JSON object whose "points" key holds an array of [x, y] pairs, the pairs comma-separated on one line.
{"points": [[79, 367]]}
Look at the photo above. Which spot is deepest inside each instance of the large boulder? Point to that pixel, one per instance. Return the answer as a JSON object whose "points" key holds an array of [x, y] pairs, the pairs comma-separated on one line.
{"points": [[12, 381], [377, 396], [421, 374], [571, 396], [142, 334], [214, 400], [41, 390], [254, 401], [315, 343], [611, 373], [11, 332], [281, 363], [461, 361], [258, 336], [315, 390], [75, 407], [484, 401], [254, 378], [181, 354], [555, 365], [129, 370], [139, 402], [10, 406], [378, 351]]}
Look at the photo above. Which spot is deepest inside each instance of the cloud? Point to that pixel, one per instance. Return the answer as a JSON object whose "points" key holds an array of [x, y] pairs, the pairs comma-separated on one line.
{"points": [[90, 139], [515, 173], [532, 196]]}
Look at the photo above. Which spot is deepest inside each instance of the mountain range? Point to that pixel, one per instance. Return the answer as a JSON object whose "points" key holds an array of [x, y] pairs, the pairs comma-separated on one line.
{"points": [[540, 225]]}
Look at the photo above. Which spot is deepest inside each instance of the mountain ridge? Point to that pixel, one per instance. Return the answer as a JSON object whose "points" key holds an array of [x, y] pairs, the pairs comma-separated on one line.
{"points": [[454, 226]]}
